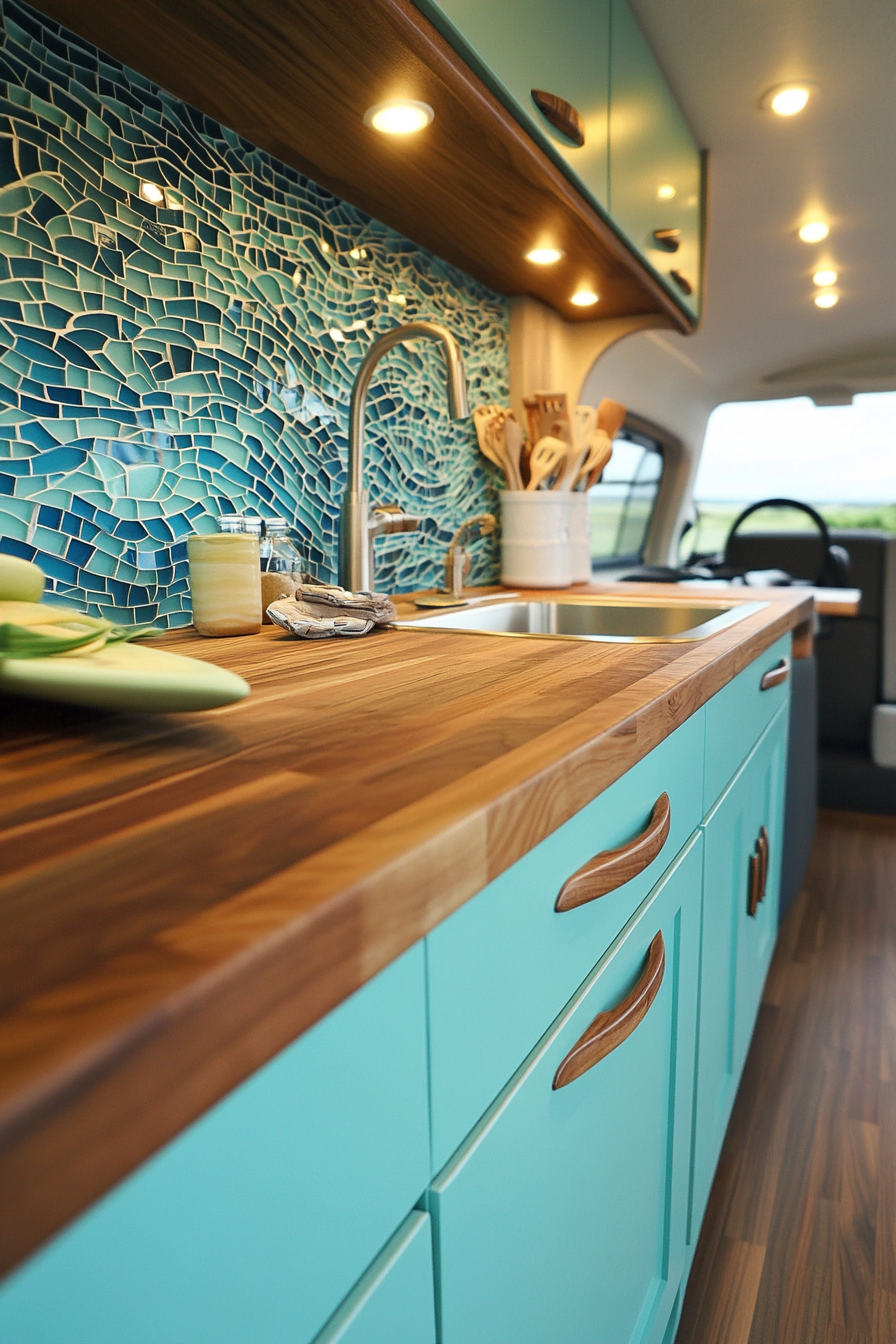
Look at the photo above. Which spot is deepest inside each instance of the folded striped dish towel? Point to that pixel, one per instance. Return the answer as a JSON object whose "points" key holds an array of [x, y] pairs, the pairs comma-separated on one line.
{"points": [[322, 611]]}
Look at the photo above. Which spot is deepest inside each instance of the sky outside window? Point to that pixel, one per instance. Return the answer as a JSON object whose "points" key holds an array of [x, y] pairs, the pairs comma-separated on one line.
{"points": [[840, 458]]}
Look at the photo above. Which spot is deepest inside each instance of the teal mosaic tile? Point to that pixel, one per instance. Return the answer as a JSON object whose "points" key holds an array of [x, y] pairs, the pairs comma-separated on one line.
{"points": [[161, 364]]}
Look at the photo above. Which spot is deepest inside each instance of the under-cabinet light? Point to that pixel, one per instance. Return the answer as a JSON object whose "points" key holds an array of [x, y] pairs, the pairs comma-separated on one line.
{"points": [[815, 231], [584, 298], [827, 298], [399, 117], [786, 100], [824, 278], [544, 256], [665, 191]]}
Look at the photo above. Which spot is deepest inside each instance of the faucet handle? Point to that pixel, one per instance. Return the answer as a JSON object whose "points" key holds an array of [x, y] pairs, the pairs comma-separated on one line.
{"points": [[386, 518]]}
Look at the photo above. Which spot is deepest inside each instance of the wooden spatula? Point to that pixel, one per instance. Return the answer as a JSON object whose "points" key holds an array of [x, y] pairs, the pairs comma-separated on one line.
{"points": [[546, 457]]}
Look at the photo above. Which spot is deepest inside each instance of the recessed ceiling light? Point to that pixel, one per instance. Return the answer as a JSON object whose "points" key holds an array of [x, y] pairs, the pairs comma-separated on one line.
{"points": [[665, 191], [584, 298], [150, 192], [815, 231], [544, 256], [826, 299], [399, 117], [824, 278], [787, 99]]}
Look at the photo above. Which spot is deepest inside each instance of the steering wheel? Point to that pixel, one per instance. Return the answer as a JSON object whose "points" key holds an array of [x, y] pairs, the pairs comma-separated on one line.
{"points": [[834, 572]]}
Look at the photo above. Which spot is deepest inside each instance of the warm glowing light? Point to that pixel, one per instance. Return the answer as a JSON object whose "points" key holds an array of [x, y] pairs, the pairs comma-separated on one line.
{"points": [[826, 299], [400, 117], [150, 192], [824, 278], [584, 298], [665, 191], [789, 100], [815, 231], [544, 256]]}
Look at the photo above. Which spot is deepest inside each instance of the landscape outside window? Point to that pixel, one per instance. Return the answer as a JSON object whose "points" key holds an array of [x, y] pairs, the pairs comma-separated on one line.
{"points": [[623, 501], [841, 459]]}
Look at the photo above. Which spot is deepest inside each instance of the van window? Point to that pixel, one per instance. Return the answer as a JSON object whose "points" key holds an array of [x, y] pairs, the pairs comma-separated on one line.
{"points": [[841, 459], [623, 501]]}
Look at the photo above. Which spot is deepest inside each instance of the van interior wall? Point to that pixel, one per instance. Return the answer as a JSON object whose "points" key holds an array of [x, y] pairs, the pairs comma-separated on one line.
{"points": [[650, 373]]}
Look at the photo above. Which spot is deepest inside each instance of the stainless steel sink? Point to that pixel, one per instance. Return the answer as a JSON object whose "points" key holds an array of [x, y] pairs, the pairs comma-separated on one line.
{"points": [[601, 619]]}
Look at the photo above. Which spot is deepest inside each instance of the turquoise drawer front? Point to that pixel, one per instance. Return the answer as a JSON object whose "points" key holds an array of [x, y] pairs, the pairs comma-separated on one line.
{"points": [[504, 965], [252, 1226], [562, 1219], [737, 717], [394, 1302]]}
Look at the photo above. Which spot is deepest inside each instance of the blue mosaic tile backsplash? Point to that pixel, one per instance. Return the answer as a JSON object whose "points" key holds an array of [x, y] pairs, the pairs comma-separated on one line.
{"points": [[164, 362]]}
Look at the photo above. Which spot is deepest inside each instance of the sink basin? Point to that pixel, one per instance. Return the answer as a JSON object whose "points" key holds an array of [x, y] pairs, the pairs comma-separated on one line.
{"points": [[601, 619]]}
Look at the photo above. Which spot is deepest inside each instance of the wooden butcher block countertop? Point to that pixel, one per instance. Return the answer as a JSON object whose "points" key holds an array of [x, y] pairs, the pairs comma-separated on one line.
{"points": [[182, 895]]}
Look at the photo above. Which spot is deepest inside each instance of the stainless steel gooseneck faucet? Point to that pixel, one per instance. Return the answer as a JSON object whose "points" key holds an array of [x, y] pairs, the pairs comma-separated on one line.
{"points": [[358, 523]]}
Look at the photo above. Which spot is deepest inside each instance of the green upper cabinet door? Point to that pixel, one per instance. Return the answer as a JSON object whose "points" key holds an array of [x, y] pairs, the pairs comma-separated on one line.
{"points": [[516, 46], [655, 165]]}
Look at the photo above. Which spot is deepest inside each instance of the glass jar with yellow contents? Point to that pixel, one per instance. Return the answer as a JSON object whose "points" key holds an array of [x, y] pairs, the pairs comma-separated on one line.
{"points": [[225, 579]]}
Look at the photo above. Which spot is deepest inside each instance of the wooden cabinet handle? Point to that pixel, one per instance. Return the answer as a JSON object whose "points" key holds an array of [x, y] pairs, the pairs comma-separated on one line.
{"points": [[561, 114], [611, 1028], [775, 676], [762, 847], [669, 240], [753, 883], [612, 867], [682, 282]]}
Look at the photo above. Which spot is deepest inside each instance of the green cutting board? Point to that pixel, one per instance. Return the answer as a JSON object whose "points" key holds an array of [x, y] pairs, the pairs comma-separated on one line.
{"points": [[123, 676]]}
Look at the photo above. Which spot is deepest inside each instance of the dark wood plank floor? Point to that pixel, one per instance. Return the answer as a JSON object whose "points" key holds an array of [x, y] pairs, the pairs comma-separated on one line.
{"points": [[799, 1241]]}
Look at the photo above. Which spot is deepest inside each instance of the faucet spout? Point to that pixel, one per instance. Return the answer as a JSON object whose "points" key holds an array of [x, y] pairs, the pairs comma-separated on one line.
{"points": [[355, 522]]}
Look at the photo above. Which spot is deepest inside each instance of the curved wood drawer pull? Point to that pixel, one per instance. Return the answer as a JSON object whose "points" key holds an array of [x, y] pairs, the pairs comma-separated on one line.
{"points": [[775, 676], [762, 847], [753, 882], [561, 114], [682, 282], [613, 867], [611, 1028]]}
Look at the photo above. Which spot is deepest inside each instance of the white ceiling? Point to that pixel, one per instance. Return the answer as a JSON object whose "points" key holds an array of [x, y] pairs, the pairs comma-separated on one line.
{"points": [[769, 174]]}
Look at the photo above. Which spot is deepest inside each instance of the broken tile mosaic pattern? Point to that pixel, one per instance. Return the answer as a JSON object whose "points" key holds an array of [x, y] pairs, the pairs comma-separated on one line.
{"points": [[176, 350]]}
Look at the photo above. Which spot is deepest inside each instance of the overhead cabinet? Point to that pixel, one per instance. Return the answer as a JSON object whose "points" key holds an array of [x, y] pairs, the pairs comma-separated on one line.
{"points": [[526, 50], [496, 174], [656, 187], [575, 69]]}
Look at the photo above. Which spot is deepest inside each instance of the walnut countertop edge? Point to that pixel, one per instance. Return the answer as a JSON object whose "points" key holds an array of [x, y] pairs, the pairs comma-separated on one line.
{"points": [[181, 896]]}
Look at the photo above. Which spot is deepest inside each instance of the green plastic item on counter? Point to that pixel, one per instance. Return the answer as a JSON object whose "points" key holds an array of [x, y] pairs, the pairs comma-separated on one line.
{"points": [[123, 676]]}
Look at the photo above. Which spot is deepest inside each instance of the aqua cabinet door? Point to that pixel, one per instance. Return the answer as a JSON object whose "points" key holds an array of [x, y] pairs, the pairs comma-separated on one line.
{"points": [[563, 1217], [393, 1303], [562, 48], [737, 943], [253, 1225], [655, 165]]}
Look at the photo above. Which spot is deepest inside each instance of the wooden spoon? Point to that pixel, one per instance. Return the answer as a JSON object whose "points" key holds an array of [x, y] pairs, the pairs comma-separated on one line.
{"points": [[610, 416], [583, 427], [513, 443], [599, 454], [489, 431]]}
